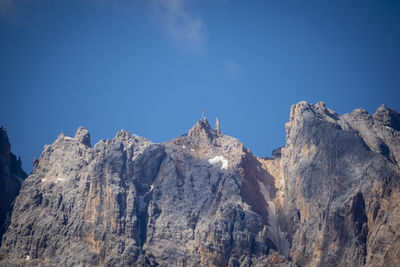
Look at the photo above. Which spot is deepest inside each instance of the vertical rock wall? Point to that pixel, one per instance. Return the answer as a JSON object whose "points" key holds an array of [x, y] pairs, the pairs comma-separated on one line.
{"points": [[329, 197], [11, 177]]}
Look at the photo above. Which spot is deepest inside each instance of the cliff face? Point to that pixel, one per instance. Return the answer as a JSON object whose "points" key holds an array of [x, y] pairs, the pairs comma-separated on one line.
{"points": [[199, 200], [329, 197], [11, 177], [341, 175]]}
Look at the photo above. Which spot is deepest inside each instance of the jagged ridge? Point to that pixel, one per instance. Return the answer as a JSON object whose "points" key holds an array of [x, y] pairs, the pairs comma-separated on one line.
{"points": [[327, 198]]}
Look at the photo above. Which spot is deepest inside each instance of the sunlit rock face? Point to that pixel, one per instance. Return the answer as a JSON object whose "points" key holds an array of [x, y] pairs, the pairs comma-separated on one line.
{"points": [[329, 197], [199, 200], [341, 176]]}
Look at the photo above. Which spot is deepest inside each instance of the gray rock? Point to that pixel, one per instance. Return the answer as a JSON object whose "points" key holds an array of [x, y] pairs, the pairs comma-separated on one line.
{"points": [[82, 135], [341, 188], [329, 197], [11, 178], [200, 199]]}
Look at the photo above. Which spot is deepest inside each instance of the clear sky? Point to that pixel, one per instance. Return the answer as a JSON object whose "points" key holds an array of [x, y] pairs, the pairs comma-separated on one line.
{"points": [[149, 66]]}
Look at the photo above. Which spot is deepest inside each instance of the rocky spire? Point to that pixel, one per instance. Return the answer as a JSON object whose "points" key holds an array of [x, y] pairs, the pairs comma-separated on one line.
{"points": [[388, 117], [327, 198], [82, 135], [217, 129], [201, 132]]}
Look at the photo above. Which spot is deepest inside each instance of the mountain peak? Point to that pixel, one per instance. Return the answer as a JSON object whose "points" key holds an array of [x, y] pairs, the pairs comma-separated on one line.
{"points": [[203, 123], [388, 117], [204, 198], [201, 128], [202, 133], [3, 135], [83, 136]]}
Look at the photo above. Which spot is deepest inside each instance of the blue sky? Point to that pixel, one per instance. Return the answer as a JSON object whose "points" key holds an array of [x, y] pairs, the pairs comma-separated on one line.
{"points": [[149, 66]]}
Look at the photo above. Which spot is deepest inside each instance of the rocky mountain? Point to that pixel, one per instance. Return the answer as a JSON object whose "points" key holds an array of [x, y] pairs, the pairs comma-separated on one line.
{"points": [[341, 187], [11, 178], [329, 197]]}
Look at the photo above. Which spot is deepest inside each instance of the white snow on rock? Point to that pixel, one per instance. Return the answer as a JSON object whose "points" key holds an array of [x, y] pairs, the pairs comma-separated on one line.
{"points": [[192, 150], [221, 159], [59, 180]]}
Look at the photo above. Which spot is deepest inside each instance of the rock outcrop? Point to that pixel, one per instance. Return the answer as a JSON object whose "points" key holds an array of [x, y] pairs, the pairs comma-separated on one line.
{"points": [[199, 200], [329, 197], [341, 191], [11, 178]]}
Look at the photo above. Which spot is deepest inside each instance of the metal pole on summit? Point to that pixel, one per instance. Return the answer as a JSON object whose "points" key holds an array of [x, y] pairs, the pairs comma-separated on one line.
{"points": [[202, 113]]}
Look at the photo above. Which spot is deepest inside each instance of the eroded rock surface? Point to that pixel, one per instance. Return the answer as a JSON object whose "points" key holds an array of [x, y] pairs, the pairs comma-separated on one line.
{"points": [[11, 178], [329, 197], [199, 200], [341, 204]]}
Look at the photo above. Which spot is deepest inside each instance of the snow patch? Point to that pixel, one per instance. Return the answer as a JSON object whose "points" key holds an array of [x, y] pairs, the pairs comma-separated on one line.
{"points": [[192, 150], [183, 147], [27, 258], [44, 180], [59, 180], [221, 159], [151, 187]]}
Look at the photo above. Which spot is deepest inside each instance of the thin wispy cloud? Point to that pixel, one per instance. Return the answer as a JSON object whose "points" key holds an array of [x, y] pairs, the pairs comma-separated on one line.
{"points": [[178, 19], [233, 69], [181, 25]]}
